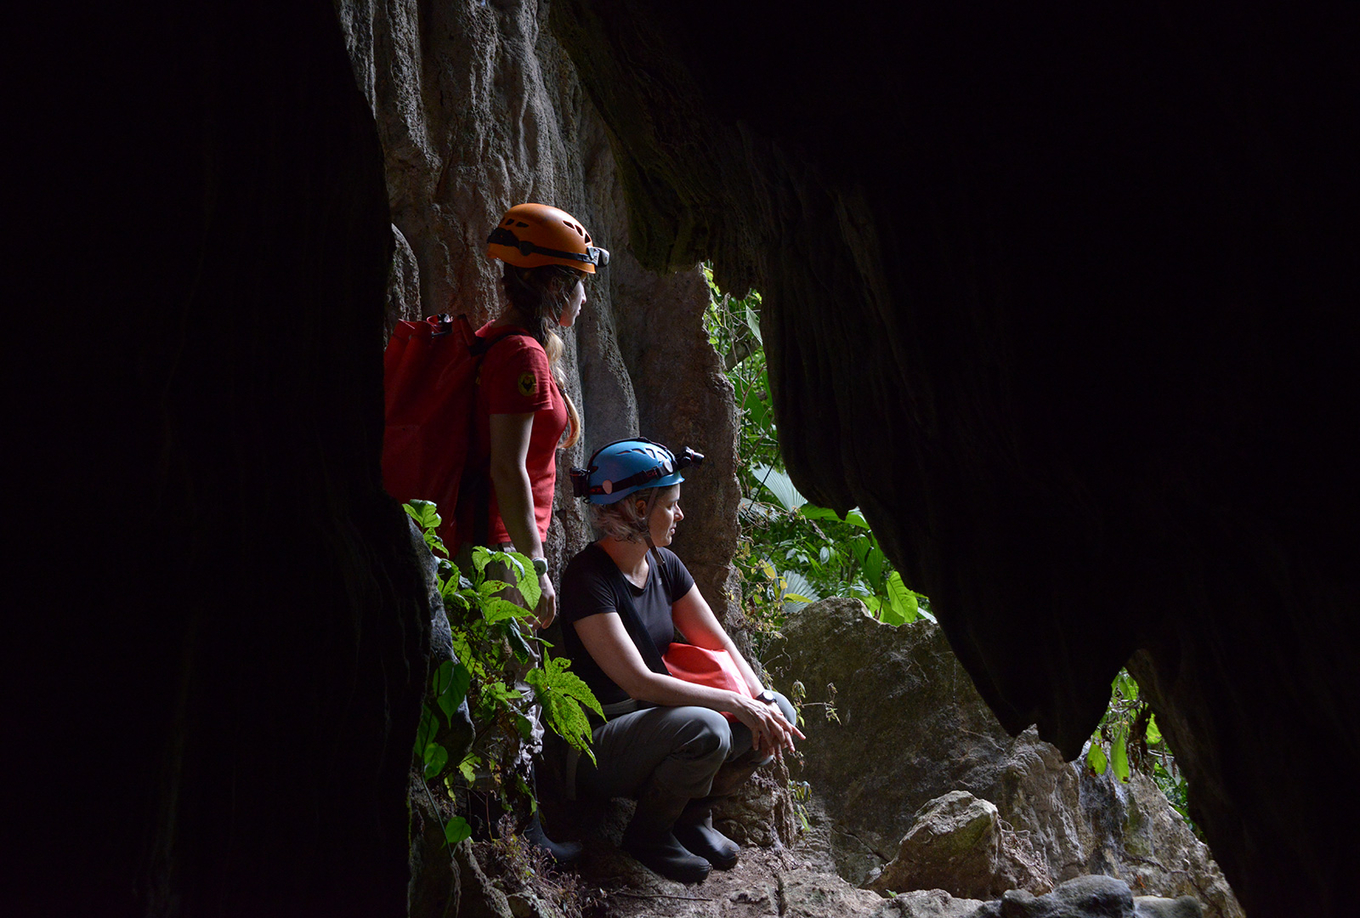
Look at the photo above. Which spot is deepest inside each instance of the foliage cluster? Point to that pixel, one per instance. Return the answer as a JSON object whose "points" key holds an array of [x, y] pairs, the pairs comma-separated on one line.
{"points": [[791, 552], [497, 660], [1128, 740]]}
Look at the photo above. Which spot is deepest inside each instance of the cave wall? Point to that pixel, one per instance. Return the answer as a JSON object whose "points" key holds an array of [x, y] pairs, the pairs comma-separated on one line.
{"points": [[479, 108], [1061, 302]]}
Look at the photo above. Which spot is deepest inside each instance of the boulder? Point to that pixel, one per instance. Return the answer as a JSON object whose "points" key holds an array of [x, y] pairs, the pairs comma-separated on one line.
{"points": [[1089, 897], [958, 844]]}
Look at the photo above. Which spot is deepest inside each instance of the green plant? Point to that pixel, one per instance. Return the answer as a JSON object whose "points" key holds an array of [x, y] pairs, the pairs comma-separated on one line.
{"points": [[791, 552], [1128, 740], [497, 661]]}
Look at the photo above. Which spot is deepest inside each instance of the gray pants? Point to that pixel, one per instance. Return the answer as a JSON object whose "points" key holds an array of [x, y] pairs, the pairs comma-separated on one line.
{"points": [[680, 748]]}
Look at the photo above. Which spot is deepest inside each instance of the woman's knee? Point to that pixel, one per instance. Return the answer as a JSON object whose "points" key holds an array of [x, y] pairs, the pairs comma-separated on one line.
{"points": [[701, 734]]}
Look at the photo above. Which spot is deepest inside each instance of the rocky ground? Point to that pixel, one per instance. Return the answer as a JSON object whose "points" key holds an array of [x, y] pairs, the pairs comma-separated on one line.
{"points": [[795, 881], [919, 806]]}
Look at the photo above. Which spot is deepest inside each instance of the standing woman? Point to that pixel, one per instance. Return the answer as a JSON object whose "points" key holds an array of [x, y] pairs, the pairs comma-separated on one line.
{"points": [[522, 409], [666, 741]]}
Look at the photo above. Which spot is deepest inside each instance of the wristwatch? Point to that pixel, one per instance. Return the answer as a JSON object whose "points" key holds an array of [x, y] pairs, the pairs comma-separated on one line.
{"points": [[766, 696], [540, 566]]}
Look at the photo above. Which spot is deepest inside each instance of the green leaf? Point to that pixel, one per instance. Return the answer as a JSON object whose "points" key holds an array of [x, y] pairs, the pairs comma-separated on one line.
{"points": [[519, 646], [500, 693], [456, 829], [565, 699], [1120, 755], [1095, 757], [427, 518], [780, 485], [499, 610], [800, 591], [525, 727], [451, 694], [424, 512], [902, 601], [753, 323], [873, 562], [1154, 733], [755, 409], [855, 518], [436, 757]]}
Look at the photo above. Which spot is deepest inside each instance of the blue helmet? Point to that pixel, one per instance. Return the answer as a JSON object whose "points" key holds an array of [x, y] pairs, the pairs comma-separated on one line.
{"points": [[626, 466]]}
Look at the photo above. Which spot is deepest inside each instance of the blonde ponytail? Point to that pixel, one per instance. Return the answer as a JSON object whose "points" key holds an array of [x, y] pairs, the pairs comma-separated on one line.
{"points": [[553, 347]]}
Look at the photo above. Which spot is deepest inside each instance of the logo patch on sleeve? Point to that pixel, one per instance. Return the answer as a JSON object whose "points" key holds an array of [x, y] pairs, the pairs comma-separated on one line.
{"points": [[528, 384]]}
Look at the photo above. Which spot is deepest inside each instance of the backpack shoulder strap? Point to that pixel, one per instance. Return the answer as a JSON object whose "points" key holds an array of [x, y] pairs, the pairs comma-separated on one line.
{"points": [[479, 345]]}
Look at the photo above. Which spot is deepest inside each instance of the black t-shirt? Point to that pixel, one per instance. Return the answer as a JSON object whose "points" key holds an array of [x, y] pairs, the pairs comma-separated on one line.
{"points": [[590, 587]]}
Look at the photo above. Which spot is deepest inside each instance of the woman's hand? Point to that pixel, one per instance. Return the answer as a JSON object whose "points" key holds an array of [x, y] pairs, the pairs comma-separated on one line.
{"points": [[546, 609], [771, 734]]}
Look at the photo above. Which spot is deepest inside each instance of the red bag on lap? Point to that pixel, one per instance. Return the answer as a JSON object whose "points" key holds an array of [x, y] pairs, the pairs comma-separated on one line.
{"points": [[714, 668]]}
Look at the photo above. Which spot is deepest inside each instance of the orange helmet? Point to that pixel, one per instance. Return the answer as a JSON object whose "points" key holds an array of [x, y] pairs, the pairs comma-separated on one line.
{"points": [[533, 235]]}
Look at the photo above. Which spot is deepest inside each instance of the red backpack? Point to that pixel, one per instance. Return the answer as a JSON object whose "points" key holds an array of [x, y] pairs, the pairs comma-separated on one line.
{"points": [[429, 384]]}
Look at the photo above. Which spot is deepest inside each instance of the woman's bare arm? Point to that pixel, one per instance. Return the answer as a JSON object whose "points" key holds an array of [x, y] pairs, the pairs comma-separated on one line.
{"points": [[515, 497], [608, 643], [696, 621]]}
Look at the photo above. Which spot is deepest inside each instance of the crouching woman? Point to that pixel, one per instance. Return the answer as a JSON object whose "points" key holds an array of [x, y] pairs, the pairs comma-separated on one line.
{"points": [[666, 741]]}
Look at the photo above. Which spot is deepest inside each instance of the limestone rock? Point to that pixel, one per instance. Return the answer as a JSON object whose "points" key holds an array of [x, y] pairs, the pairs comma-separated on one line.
{"points": [[1089, 897], [912, 728], [927, 903], [807, 894], [760, 812], [435, 885], [956, 845], [1158, 907], [403, 284], [480, 897], [478, 107]]}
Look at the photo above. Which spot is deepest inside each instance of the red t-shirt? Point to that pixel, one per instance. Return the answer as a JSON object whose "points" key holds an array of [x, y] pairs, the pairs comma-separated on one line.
{"points": [[515, 379]]}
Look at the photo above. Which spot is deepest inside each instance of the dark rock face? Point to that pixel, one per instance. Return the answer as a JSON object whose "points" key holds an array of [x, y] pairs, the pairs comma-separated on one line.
{"points": [[1059, 303], [224, 727]]}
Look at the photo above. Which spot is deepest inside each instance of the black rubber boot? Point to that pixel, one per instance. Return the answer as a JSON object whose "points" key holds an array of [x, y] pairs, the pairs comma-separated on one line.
{"points": [[649, 837], [695, 831], [563, 852]]}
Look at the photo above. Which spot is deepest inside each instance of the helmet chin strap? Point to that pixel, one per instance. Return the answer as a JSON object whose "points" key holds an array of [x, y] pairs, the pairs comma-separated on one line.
{"points": [[647, 525]]}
